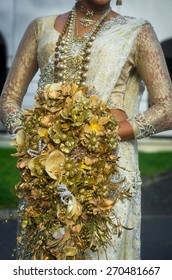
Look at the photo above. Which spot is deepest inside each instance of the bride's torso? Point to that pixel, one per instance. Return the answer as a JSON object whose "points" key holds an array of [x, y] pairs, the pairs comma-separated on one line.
{"points": [[112, 70]]}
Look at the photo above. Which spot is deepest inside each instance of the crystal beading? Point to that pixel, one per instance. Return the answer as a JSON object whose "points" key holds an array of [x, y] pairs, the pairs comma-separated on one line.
{"points": [[34, 153], [66, 196]]}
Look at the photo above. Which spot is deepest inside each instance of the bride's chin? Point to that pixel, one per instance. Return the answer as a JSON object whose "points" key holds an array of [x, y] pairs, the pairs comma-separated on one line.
{"points": [[97, 2]]}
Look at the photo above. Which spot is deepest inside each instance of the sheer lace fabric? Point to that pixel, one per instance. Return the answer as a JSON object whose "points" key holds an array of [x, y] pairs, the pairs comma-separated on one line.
{"points": [[152, 68], [116, 71], [21, 73]]}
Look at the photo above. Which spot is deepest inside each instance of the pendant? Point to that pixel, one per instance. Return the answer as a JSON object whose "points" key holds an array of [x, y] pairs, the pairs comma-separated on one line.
{"points": [[86, 22], [74, 62]]}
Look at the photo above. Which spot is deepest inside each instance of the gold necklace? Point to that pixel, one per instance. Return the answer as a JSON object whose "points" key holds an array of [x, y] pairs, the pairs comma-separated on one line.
{"points": [[88, 20], [63, 58]]}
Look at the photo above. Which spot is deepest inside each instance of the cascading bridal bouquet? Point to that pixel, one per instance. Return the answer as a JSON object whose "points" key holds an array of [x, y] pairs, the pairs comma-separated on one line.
{"points": [[67, 157]]}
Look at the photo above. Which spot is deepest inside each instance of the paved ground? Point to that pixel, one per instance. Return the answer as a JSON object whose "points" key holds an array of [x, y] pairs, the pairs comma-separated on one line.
{"points": [[156, 233]]}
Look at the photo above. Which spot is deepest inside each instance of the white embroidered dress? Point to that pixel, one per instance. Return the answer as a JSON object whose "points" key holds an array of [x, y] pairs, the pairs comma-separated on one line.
{"points": [[125, 52]]}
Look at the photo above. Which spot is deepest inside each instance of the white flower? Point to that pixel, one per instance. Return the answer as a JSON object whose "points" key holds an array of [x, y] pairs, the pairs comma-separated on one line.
{"points": [[58, 233]]}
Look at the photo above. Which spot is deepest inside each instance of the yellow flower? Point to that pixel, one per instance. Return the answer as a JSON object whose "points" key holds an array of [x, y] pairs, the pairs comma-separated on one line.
{"points": [[71, 251], [83, 166], [102, 204], [97, 124], [51, 89], [54, 164], [47, 121], [20, 139], [42, 132], [74, 210], [37, 165]]}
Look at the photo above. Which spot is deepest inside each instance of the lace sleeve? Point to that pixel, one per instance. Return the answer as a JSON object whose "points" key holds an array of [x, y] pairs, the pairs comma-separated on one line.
{"points": [[21, 73], [153, 70]]}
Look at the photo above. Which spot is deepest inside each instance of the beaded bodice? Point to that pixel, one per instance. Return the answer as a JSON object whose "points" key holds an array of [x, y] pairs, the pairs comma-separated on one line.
{"points": [[76, 51]]}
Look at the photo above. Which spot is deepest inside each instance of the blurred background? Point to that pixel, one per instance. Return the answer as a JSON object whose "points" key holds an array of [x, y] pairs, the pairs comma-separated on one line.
{"points": [[155, 153]]}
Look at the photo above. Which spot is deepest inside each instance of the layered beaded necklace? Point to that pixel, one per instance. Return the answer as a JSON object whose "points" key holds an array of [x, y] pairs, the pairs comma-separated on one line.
{"points": [[65, 59]]}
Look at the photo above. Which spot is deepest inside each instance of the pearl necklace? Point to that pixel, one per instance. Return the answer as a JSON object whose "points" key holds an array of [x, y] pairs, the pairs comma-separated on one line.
{"points": [[63, 47]]}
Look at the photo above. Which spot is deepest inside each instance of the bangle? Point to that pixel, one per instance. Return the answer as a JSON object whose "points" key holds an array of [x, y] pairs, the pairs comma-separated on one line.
{"points": [[13, 119], [17, 128]]}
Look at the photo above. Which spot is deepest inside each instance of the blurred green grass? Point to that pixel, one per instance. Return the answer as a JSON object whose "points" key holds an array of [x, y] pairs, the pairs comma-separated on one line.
{"points": [[155, 163], [9, 176], [150, 164]]}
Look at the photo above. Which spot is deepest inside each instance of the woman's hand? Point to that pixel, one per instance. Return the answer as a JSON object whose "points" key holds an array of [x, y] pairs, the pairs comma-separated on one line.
{"points": [[120, 115], [125, 128]]}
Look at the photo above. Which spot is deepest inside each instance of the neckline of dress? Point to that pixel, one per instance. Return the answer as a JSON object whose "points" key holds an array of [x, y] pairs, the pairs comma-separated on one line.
{"points": [[114, 19]]}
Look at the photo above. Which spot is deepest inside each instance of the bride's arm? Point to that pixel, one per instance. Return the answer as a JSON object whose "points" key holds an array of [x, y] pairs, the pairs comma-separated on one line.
{"points": [[152, 68], [21, 73]]}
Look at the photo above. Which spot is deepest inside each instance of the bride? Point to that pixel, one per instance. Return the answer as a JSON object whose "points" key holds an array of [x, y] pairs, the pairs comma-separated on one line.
{"points": [[91, 48]]}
